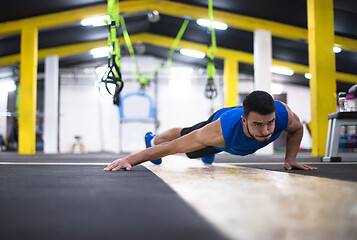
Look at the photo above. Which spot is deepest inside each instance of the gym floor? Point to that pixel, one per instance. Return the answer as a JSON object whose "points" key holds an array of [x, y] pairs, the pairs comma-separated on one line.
{"points": [[71, 197]]}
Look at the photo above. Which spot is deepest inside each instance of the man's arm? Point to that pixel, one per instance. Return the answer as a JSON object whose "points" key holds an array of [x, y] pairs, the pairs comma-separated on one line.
{"points": [[209, 135], [295, 133]]}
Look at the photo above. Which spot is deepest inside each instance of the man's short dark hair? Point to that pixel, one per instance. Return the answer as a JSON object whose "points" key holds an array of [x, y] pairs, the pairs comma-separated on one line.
{"points": [[260, 102]]}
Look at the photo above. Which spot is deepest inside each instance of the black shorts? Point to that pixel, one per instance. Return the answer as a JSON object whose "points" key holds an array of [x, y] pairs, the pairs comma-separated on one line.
{"points": [[206, 150]]}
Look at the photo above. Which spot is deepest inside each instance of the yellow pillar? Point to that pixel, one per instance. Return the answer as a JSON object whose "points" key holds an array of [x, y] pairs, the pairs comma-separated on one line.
{"points": [[230, 82], [28, 86], [322, 69]]}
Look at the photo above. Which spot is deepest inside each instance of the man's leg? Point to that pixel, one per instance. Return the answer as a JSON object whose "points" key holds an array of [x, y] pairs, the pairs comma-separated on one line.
{"points": [[169, 135], [206, 154]]}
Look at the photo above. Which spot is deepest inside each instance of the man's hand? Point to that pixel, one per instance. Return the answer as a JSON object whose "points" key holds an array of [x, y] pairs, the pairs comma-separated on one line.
{"points": [[292, 165], [118, 164]]}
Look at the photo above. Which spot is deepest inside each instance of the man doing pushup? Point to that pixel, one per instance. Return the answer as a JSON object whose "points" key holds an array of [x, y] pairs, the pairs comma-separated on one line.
{"points": [[238, 130]]}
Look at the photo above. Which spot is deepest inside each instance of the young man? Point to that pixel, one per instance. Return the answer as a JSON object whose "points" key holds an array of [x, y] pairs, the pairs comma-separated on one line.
{"points": [[238, 130]]}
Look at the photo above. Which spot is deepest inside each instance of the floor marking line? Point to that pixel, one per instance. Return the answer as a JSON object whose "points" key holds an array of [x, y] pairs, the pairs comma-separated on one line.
{"points": [[56, 163], [279, 163]]}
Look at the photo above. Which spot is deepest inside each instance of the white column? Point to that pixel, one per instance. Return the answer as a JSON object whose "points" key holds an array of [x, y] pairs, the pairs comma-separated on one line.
{"points": [[262, 60], [262, 74], [3, 107], [50, 135]]}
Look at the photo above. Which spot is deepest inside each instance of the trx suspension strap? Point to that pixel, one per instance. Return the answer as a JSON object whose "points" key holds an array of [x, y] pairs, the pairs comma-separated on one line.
{"points": [[145, 80], [129, 46], [210, 89], [175, 43], [113, 74]]}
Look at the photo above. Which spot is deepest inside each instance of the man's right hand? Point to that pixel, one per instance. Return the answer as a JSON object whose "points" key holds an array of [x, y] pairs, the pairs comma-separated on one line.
{"points": [[118, 164]]}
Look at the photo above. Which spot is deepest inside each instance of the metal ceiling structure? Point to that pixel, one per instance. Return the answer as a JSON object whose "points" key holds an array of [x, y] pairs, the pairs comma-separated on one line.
{"points": [[60, 31]]}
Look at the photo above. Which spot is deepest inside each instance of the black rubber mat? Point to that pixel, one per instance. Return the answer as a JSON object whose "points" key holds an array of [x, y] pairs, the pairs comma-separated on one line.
{"points": [[60, 158], [339, 171], [84, 202]]}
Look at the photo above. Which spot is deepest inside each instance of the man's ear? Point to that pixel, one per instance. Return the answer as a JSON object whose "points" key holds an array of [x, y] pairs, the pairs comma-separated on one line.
{"points": [[243, 119]]}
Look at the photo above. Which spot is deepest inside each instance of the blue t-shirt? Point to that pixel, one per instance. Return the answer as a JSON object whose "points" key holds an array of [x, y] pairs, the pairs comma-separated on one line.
{"points": [[237, 142]]}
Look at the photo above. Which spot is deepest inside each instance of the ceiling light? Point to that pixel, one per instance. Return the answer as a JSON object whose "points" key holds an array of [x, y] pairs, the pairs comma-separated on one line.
{"points": [[100, 52], [95, 21], [280, 70], [192, 53], [337, 49], [308, 75], [215, 24]]}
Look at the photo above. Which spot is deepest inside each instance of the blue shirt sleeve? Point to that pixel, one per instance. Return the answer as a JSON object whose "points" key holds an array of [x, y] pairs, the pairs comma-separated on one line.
{"points": [[229, 124], [281, 116]]}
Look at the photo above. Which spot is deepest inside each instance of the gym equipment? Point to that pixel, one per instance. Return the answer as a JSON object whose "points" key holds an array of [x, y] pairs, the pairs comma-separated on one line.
{"points": [[144, 81], [210, 88], [336, 121], [150, 117], [175, 43], [3, 142], [113, 74], [79, 144], [152, 109]]}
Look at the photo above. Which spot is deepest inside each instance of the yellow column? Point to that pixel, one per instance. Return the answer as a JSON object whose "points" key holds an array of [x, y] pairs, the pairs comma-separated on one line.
{"points": [[322, 69], [230, 82], [28, 86]]}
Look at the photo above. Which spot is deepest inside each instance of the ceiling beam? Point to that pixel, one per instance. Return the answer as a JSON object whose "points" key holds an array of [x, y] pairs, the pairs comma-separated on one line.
{"points": [[347, 44], [233, 20], [173, 9], [62, 51], [245, 22], [166, 42], [69, 17]]}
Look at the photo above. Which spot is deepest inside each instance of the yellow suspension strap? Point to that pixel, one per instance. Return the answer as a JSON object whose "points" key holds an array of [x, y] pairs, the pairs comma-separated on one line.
{"points": [[145, 80], [129, 45], [113, 74], [175, 43], [210, 89]]}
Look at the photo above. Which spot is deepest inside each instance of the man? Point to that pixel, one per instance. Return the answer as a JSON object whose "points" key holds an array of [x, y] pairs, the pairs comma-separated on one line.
{"points": [[237, 130]]}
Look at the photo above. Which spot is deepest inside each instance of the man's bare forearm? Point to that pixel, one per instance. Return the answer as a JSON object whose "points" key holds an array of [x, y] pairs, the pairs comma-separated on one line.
{"points": [[293, 144], [149, 154], [183, 144]]}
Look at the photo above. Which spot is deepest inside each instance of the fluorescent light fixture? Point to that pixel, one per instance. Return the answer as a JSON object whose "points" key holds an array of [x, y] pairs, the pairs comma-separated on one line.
{"points": [[100, 52], [283, 71], [308, 75], [95, 21], [215, 24], [337, 49], [192, 53]]}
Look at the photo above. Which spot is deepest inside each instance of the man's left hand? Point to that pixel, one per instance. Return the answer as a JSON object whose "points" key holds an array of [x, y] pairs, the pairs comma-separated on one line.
{"points": [[295, 165]]}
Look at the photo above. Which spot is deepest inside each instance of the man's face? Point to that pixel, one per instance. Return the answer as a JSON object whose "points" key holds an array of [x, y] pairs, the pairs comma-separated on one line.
{"points": [[260, 127]]}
